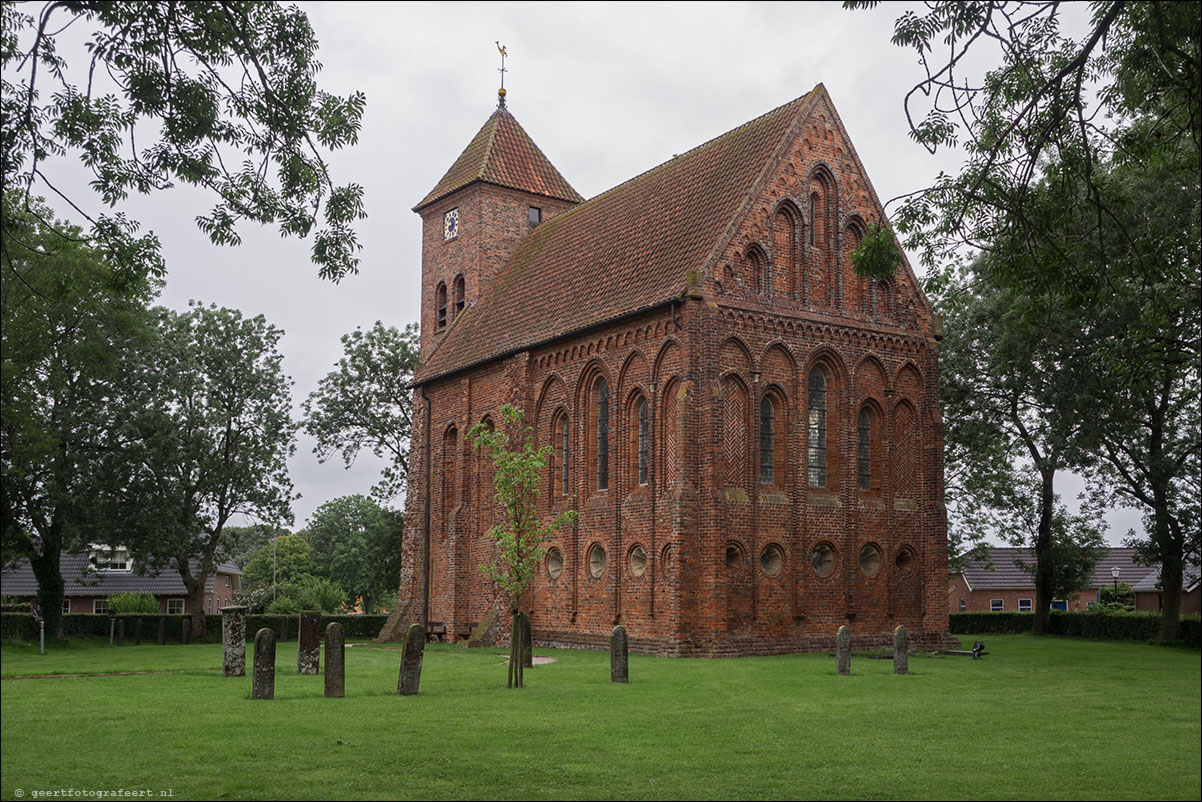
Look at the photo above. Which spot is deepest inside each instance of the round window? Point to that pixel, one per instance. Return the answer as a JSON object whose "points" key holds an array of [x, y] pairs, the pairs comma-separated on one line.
{"points": [[823, 559], [554, 564], [772, 559], [734, 554], [870, 560], [905, 561], [638, 561], [596, 561]]}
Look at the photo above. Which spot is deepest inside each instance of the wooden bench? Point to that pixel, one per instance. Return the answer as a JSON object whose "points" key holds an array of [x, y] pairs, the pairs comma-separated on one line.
{"points": [[436, 630]]}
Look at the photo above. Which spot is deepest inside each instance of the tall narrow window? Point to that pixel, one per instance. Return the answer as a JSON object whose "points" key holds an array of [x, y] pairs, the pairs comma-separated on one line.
{"points": [[441, 304], [563, 455], [817, 450], [864, 451], [644, 441], [602, 435], [767, 442], [459, 297]]}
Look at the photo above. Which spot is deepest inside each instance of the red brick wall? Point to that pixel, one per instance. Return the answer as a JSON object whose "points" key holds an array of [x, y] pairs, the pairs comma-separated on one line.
{"points": [[977, 601], [705, 518]]}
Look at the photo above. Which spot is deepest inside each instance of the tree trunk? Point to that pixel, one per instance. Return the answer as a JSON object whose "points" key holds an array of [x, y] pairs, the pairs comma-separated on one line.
{"points": [[1044, 578], [50, 587], [196, 608], [1170, 549]]}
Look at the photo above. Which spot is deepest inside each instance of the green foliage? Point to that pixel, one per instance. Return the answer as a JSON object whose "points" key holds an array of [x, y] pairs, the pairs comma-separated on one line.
{"points": [[521, 542], [357, 543], [1094, 623], [366, 403], [1119, 593], [255, 141], [210, 440], [133, 603], [69, 326], [284, 605], [878, 255], [239, 543], [317, 593], [287, 559]]}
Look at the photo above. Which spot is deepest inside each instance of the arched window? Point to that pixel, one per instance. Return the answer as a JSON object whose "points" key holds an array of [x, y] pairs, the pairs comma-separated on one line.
{"points": [[440, 302], [786, 246], [817, 428], [601, 395], [864, 448], [559, 459], [643, 444], [459, 297], [767, 442], [450, 448], [761, 271]]}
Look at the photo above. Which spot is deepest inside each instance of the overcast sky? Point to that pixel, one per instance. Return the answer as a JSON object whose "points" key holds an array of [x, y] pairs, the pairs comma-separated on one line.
{"points": [[606, 90]]}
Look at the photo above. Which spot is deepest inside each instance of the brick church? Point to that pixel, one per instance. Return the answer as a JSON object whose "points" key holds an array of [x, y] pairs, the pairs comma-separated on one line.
{"points": [[748, 430]]}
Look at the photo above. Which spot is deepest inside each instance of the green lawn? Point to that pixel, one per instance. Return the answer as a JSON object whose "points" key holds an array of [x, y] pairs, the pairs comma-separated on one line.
{"points": [[1039, 718]]}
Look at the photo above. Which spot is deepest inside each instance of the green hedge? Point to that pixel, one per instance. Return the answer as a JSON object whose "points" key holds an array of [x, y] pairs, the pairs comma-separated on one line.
{"points": [[21, 626], [1102, 625]]}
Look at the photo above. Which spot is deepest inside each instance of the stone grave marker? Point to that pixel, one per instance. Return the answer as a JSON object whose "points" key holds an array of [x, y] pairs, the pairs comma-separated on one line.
{"points": [[162, 631], [120, 631], [233, 641], [901, 651], [411, 660], [335, 661], [138, 632], [619, 655], [843, 651], [308, 657], [263, 681], [185, 630]]}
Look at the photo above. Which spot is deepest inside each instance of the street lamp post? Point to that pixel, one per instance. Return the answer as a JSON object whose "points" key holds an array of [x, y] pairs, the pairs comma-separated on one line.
{"points": [[1114, 572]]}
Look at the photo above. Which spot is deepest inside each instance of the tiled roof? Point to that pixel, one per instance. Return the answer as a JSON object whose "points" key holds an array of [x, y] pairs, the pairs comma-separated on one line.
{"points": [[1008, 573], [1152, 580], [503, 153], [18, 580], [627, 249]]}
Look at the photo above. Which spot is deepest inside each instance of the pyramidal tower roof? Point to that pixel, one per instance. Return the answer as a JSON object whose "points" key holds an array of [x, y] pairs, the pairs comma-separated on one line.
{"points": [[502, 153]]}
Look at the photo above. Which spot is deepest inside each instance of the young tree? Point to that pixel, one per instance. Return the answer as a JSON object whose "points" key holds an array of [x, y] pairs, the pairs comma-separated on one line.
{"points": [[67, 326], [366, 403], [232, 86], [212, 441], [521, 542], [284, 559], [358, 544], [239, 543]]}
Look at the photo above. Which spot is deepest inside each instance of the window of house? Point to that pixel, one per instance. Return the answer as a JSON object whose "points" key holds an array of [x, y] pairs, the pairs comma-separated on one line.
{"points": [[602, 407], [817, 428], [104, 558], [767, 442], [864, 452], [227, 580], [644, 444], [996, 605], [963, 605], [100, 605], [535, 215], [458, 297], [66, 606], [1024, 605], [440, 302], [175, 607]]}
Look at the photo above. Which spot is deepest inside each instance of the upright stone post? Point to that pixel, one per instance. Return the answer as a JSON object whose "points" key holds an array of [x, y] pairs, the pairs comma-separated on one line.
{"points": [[120, 631], [335, 661], [233, 641], [411, 660], [308, 657], [619, 655], [901, 651], [263, 681], [284, 619], [185, 630], [138, 632], [843, 651], [162, 631], [527, 642]]}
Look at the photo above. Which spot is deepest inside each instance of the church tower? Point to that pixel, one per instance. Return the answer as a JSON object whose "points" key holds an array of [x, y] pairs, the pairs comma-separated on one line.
{"points": [[498, 190]]}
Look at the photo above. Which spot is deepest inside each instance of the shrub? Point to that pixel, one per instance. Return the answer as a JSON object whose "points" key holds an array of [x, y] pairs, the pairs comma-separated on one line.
{"points": [[1095, 623], [124, 603], [284, 605]]}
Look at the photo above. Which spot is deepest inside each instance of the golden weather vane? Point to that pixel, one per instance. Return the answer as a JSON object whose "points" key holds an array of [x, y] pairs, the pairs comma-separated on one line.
{"points": [[501, 91]]}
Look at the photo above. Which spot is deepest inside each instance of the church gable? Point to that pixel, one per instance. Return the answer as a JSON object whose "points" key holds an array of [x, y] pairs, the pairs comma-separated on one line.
{"points": [[792, 249]]}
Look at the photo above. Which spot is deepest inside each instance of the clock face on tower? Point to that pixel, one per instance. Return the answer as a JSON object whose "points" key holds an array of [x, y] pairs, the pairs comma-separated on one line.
{"points": [[450, 224]]}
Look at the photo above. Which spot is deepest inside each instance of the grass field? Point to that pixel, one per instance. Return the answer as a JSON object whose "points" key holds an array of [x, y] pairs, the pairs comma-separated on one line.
{"points": [[1040, 718]]}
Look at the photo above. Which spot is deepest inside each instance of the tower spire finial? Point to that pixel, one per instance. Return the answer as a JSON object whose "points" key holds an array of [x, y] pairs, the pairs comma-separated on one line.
{"points": [[501, 91]]}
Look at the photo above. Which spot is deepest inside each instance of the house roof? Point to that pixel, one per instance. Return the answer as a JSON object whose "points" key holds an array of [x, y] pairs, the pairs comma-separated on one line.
{"points": [[502, 153], [1007, 571], [1151, 582], [18, 579], [626, 250]]}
